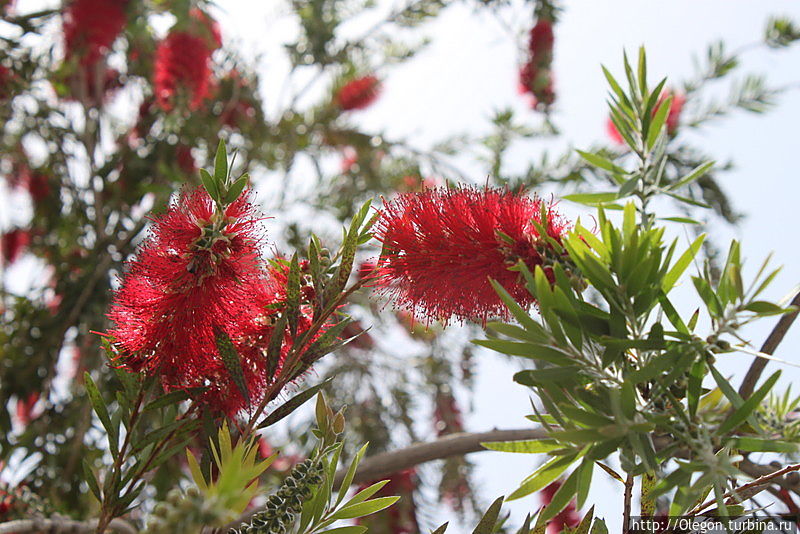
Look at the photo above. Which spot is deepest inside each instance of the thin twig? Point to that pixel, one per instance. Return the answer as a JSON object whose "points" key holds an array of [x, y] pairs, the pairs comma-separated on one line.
{"points": [[628, 500], [745, 491], [773, 340]]}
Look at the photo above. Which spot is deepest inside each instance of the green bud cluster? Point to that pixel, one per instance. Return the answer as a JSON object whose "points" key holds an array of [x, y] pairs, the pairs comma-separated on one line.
{"points": [[283, 507], [182, 511]]}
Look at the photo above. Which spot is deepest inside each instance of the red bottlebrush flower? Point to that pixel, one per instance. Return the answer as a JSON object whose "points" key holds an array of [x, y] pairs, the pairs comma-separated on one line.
{"points": [[185, 160], [536, 75], [197, 277], [568, 517], [442, 246], [182, 66], [91, 27], [359, 93], [541, 38], [672, 121], [38, 186], [539, 83], [13, 243], [366, 270]]}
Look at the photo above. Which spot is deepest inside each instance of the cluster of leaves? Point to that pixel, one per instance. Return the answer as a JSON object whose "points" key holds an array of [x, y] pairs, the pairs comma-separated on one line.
{"points": [[306, 502], [619, 369]]}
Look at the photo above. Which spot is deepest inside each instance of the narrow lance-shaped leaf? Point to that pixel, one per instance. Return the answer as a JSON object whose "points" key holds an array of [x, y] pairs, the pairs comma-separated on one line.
{"points": [[236, 189], [233, 364], [221, 165], [292, 404], [293, 294], [487, 523], [743, 412], [101, 410]]}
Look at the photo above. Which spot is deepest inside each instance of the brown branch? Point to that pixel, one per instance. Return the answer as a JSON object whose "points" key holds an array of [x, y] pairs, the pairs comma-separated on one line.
{"points": [[62, 526], [459, 444], [773, 340], [751, 488], [628, 503]]}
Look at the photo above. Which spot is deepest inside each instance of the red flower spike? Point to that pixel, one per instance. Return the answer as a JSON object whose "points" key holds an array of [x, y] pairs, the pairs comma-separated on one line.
{"points": [[198, 275], [535, 75], [443, 245], [13, 243], [182, 65], [541, 38], [91, 27], [359, 93]]}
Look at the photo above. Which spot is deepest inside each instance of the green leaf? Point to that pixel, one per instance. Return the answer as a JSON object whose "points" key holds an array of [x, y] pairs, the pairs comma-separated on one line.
{"points": [[591, 199], [354, 529], [489, 520], [442, 529], [90, 479], [351, 472], [292, 404], [684, 220], [236, 189], [599, 161], [534, 377], [762, 307], [656, 125], [293, 294], [763, 445], [364, 508], [561, 498], [525, 446], [743, 412], [696, 173], [681, 264], [599, 527], [366, 493], [168, 399], [210, 184], [221, 165], [101, 410], [543, 476], [233, 364]]}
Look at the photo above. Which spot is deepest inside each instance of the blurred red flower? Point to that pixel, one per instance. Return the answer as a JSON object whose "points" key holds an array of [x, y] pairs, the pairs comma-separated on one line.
{"points": [[535, 75], [359, 93], [91, 27], [12, 244], [442, 246], [182, 67]]}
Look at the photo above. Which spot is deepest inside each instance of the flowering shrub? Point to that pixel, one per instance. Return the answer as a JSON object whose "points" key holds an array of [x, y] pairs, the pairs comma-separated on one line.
{"points": [[141, 162]]}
